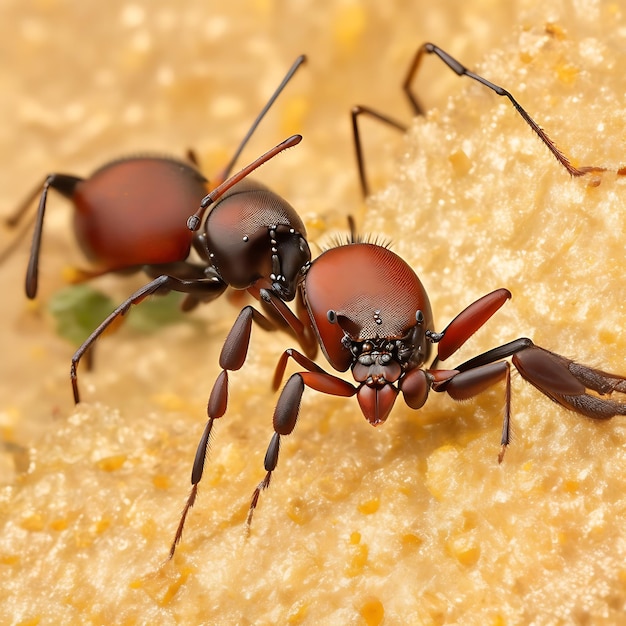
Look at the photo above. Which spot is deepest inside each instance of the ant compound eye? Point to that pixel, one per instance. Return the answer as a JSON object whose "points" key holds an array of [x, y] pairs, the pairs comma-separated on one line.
{"points": [[331, 316]]}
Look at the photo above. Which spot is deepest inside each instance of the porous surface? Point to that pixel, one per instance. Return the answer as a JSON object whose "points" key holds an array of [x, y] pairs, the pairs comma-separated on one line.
{"points": [[413, 522]]}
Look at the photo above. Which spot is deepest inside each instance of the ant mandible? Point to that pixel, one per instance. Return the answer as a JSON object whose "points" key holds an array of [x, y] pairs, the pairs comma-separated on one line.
{"points": [[460, 70], [129, 215]]}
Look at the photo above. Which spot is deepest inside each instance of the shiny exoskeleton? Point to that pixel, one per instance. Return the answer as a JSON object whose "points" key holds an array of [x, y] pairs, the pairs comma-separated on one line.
{"points": [[252, 240], [130, 214], [371, 315], [460, 70]]}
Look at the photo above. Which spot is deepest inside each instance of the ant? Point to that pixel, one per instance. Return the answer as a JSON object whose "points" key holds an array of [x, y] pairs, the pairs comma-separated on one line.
{"points": [[371, 314], [460, 70], [129, 215], [253, 241], [133, 214]]}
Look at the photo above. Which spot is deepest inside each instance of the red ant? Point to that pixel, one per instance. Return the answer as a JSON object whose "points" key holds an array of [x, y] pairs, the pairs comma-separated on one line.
{"points": [[460, 70], [252, 240], [368, 312], [130, 214], [371, 314]]}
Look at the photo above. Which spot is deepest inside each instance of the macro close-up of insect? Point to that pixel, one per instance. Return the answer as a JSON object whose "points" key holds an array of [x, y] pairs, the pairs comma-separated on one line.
{"points": [[490, 490], [131, 214], [369, 312]]}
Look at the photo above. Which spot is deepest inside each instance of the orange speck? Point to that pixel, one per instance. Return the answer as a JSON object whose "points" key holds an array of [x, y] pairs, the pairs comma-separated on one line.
{"points": [[369, 507], [160, 481], [349, 25], [372, 611], [461, 163], [34, 522], [567, 73], [59, 524], [111, 463], [102, 525]]}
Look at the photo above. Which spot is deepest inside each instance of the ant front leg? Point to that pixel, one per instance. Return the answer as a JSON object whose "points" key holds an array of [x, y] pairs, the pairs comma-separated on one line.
{"points": [[212, 286], [288, 408], [461, 386], [466, 323], [567, 382]]}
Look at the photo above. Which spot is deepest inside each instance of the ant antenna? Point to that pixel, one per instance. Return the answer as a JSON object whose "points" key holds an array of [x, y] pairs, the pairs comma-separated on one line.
{"points": [[193, 223], [292, 70]]}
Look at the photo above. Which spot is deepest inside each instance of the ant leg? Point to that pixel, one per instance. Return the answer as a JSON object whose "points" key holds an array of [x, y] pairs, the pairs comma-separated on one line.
{"points": [[461, 70], [161, 284], [562, 380], [65, 185], [470, 382], [232, 358], [286, 414], [567, 382], [356, 112], [466, 323], [278, 310], [298, 358]]}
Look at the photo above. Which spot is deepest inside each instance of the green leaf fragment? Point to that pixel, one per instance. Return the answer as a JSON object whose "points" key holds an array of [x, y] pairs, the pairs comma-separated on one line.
{"points": [[79, 309]]}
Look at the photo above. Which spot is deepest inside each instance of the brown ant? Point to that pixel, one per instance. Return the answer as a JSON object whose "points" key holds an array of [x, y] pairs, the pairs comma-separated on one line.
{"points": [[130, 214], [371, 314], [133, 214], [254, 241]]}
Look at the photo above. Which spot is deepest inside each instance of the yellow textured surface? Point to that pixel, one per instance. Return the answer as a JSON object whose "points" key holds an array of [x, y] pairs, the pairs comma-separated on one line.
{"points": [[413, 522]]}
